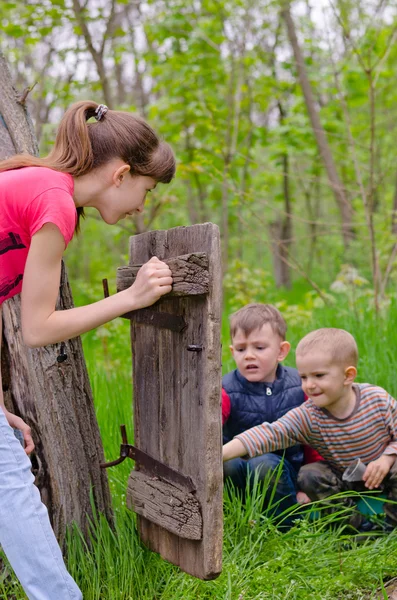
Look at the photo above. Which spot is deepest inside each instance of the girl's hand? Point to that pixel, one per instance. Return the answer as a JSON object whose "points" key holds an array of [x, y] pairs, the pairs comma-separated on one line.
{"points": [[18, 423], [154, 279], [377, 470]]}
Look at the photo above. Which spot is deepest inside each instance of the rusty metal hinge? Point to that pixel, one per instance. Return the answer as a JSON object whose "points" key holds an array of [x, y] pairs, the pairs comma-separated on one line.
{"points": [[146, 316], [153, 466]]}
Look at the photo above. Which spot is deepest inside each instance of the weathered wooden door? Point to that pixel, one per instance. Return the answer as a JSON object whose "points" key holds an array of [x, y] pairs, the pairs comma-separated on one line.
{"points": [[177, 396]]}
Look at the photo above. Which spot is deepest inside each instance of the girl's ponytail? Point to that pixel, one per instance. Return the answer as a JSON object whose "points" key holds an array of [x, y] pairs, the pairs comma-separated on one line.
{"points": [[72, 151], [81, 146]]}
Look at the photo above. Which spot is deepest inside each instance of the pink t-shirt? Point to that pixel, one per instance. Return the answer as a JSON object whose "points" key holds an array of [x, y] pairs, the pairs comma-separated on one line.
{"points": [[29, 198]]}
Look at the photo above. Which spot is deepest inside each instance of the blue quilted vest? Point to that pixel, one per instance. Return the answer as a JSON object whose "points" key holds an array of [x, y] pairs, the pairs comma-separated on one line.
{"points": [[253, 403]]}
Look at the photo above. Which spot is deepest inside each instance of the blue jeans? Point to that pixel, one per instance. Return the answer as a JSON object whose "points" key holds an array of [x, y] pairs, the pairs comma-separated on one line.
{"points": [[239, 470], [26, 535]]}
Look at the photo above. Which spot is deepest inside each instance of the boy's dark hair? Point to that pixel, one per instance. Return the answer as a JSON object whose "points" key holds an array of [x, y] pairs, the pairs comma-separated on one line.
{"points": [[254, 316]]}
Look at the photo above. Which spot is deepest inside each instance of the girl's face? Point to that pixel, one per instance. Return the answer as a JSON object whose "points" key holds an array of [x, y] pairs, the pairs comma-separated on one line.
{"points": [[113, 191], [126, 197]]}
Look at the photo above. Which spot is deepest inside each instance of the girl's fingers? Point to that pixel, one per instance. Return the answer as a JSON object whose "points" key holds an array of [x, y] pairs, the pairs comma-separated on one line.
{"points": [[166, 281], [29, 444], [164, 272]]}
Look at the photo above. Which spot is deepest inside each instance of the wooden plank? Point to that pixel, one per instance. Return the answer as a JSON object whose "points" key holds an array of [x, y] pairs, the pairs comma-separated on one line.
{"points": [[177, 395], [157, 319], [166, 505], [189, 272]]}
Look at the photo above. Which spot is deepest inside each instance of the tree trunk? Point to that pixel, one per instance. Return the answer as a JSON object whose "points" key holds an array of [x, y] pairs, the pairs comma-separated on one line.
{"points": [[279, 246], [55, 399], [281, 231], [394, 212], [80, 12], [338, 189]]}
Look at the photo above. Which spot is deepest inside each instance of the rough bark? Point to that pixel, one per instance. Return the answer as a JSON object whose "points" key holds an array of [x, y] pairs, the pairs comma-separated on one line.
{"points": [[337, 187], [54, 398]]}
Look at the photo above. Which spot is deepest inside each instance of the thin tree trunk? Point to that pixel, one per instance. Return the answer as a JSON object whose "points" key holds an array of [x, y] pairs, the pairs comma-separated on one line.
{"points": [[394, 213], [245, 171], [232, 127], [283, 278], [281, 234], [338, 189], [97, 55], [54, 398], [196, 214]]}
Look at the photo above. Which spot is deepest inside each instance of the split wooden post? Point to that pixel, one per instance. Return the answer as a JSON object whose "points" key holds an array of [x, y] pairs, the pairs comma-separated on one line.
{"points": [[177, 396]]}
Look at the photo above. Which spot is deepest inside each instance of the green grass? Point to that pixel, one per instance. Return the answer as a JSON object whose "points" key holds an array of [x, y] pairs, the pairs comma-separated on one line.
{"points": [[313, 561]]}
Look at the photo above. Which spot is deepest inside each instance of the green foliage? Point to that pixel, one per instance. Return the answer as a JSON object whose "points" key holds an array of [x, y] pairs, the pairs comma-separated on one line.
{"points": [[219, 82], [244, 285]]}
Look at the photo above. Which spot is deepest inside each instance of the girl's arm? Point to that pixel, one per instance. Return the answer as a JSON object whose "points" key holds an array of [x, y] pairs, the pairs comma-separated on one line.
{"points": [[13, 420], [43, 325]]}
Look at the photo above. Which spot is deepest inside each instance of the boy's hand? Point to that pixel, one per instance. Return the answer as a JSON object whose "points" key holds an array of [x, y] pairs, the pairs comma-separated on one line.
{"points": [[377, 470], [302, 498], [233, 449], [152, 281]]}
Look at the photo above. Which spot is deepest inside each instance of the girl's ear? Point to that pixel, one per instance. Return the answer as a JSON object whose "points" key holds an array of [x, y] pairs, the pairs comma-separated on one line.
{"points": [[285, 347], [120, 173], [350, 375]]}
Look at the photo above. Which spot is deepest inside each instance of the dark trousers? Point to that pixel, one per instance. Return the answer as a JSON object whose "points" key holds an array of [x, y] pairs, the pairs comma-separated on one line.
{"points": [[320, 481], [282, 484]]}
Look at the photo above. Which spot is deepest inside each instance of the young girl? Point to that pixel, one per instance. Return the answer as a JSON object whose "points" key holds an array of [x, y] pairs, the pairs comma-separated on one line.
{"points": [[109, 164]]}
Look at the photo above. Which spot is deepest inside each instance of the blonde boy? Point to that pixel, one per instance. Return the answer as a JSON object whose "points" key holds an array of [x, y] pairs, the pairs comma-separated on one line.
{"points": [[341, 420]]}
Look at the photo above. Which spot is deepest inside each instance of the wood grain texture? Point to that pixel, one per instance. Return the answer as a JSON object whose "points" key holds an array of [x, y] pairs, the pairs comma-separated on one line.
{"points": [[189, 272], [177, 395], [166, 505]]}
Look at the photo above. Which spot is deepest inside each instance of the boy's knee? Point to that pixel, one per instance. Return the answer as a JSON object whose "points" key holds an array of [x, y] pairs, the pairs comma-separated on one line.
{"points": [[270, 464], [317, 480], [307, 479], [232, 467], [265, 462]]}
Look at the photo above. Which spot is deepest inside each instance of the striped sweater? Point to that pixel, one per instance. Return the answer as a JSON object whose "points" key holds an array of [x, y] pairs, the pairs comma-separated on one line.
{"points": [[367, 433]]}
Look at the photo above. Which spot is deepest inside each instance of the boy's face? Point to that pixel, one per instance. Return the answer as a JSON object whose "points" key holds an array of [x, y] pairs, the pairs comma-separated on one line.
{"points": [[327, 383], [258, 354]]}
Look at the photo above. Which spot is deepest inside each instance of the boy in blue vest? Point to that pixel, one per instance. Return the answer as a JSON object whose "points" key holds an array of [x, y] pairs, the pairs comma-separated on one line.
{"points": [[262, 389]]}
